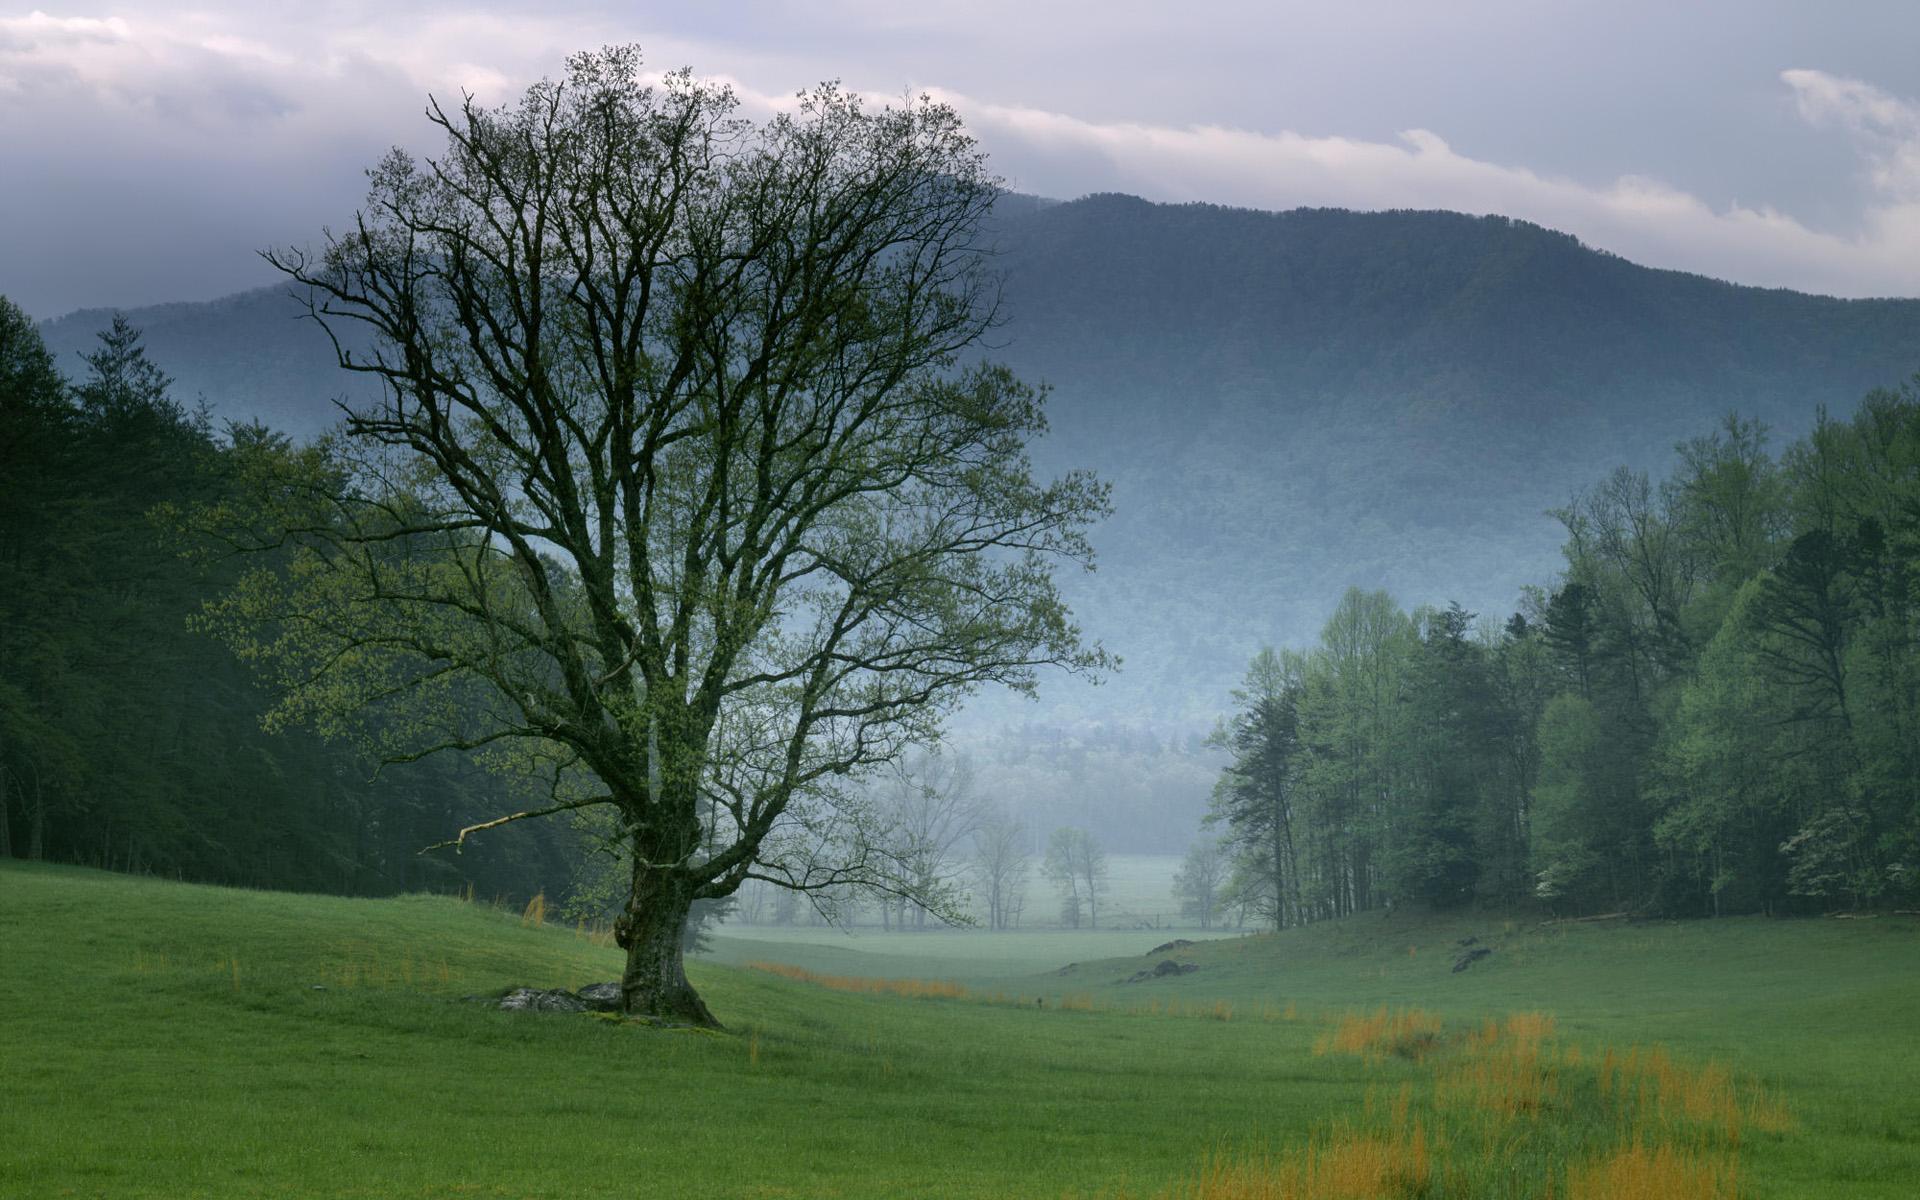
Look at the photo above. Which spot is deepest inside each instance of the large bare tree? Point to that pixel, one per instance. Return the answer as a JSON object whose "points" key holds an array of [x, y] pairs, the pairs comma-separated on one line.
{"points": [[687, 492]]}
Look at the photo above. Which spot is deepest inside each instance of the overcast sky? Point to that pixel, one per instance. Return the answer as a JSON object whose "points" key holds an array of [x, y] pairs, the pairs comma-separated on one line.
{"points": [[147, 150]]}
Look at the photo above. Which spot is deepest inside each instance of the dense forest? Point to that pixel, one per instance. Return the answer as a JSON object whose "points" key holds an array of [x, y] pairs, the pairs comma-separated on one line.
{"points": [[1715, 709], [130, 740]]}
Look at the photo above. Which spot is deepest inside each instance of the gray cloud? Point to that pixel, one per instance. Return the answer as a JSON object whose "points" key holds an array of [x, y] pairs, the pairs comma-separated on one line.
{"points": [[160, 146]]}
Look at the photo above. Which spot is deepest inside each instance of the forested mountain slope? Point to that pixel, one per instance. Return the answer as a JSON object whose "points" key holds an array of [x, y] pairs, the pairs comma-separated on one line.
{"points": [[1286, 404], [1291, 403]]}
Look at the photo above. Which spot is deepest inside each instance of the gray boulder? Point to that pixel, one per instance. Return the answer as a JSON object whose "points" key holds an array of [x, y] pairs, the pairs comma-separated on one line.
{"points": [[542, 1000], [1161, 970], [601, 997], [1470, 957]]}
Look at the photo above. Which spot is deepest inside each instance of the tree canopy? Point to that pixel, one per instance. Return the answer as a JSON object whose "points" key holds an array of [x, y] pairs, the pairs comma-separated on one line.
{"points": [[681, 494], [1713, 710]]}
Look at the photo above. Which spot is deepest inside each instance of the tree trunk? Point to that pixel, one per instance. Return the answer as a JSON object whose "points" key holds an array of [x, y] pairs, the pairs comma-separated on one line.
{"points": [[37, 823], [6, 817], [655, 981]]}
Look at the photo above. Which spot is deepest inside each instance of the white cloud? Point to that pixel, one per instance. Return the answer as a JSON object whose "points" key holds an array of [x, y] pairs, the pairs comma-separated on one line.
{"points": [[38, 28], [1885, 127], [1644, 219], [267, 103]]}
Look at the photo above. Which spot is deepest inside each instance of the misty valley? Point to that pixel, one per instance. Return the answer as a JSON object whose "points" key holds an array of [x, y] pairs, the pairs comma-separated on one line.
{"points": [[701, 646]]}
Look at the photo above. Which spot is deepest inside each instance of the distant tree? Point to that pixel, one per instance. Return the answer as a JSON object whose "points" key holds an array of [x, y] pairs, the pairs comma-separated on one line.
{"points": [[1722, 782], [1452, 764], [1076, 865], [1200, 883], [1001, 866], [28, 376], [1590, 831], [1731, 508], [1351, 715], [122, 382], [1570, 632], [931, 809], [34, 440], [681, 497], [1628, 544], [1524, 681], [1256, 796]]}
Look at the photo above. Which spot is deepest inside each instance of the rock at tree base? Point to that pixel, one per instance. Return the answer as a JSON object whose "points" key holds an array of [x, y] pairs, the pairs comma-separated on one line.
{"points": [[541, 1000], [595, 997], [1469, 958], [601, 997]]}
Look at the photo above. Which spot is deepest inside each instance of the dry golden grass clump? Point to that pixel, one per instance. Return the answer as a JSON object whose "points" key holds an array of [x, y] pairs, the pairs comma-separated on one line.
{"points": [[1662, 1093], [1502, 1069], [1404, 1033], [1509, 1110], [1346, 1164], [1661, 1172]]}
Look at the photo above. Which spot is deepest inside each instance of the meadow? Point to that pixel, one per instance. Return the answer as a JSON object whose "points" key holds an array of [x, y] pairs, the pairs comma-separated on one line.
{"points": [[162, 1039], [1138, 895]]}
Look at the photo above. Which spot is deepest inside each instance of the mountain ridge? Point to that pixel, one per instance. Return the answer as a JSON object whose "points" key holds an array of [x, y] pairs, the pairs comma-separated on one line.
{"points": [[1287, 404]]}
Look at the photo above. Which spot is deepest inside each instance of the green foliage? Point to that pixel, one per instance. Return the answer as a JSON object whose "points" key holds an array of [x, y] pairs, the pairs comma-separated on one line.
{"points": [[1717, 710], [1391, 762], [705, 535], [1570, 799], [1200, 882], [1076, 866], [126, 738]]}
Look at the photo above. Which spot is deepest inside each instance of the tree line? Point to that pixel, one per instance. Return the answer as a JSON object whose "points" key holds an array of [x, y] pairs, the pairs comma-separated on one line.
{"points": [[128, 738], [1716, 708], [960, 855]]}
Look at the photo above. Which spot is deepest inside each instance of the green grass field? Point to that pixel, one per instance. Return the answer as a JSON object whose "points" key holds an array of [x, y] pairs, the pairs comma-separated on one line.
{"points": [[169, 1040]]}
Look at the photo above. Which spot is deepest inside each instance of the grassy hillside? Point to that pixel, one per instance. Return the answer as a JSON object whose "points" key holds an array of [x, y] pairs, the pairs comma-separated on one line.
{"points": [[169, 1040]]}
